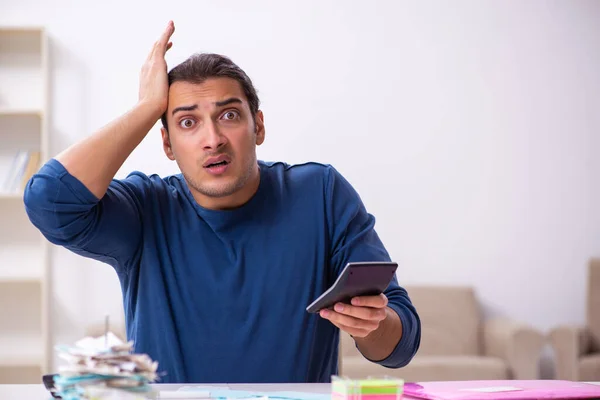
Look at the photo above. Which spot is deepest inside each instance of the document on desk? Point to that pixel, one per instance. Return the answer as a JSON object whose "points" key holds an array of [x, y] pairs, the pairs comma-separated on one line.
{"points": [[220, 393], [176, 394], [298, 396]]}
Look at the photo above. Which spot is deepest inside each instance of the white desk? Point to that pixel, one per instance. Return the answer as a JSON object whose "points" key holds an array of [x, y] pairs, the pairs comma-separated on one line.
{"points": [[39, 392]]}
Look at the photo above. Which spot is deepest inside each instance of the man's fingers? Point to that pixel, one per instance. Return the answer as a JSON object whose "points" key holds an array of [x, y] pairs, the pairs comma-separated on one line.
{"points": [[349, 321], [353, 331], [162, 44], [164, 40], [365, 313], [379, 301]]}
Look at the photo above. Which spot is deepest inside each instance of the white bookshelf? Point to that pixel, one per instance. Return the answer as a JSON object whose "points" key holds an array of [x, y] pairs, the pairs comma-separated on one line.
{"points": [[25, 348]]}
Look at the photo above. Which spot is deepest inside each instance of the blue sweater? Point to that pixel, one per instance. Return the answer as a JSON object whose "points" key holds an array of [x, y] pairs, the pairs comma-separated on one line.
{"points": [[221, 296]]}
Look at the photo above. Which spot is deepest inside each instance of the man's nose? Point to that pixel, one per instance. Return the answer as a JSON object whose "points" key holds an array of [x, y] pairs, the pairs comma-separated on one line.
{"points": [[212, 137]]}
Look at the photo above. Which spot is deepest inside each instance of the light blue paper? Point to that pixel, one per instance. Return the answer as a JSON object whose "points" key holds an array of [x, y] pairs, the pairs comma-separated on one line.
{"points": [[223, 393], [298, 396]]}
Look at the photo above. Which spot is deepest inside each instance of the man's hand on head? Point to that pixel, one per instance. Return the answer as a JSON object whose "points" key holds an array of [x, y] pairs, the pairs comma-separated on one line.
{"points": [[360, 318], [154, 83]]}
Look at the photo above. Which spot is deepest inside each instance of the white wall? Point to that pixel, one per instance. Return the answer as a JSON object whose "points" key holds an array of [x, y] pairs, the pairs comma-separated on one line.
{"points": [[469, 128]]}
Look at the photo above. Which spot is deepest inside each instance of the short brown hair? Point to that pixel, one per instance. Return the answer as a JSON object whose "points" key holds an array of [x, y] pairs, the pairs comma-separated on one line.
{"points": [[202, 66]]}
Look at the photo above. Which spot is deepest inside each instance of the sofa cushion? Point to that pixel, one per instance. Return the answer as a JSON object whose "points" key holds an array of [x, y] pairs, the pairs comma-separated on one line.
{"points": [[589, 368], [593, 306], [450, 320], [431, 368], [348, 345]]}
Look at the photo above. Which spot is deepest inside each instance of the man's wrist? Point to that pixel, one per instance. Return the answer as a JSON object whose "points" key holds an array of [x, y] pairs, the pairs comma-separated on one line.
{"points": [[154, 109], [381, 342], [376, 335]]}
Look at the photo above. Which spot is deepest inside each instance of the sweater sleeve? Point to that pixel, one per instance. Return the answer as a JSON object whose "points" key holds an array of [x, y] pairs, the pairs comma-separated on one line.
{"points": [[352, 239], [69, 215]]}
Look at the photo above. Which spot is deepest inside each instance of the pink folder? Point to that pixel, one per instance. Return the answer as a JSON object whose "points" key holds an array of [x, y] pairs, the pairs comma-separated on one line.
{"points": [[504, 389]]}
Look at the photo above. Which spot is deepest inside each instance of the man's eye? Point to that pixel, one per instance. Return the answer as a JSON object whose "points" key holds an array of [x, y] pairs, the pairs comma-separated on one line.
{"points": [[186, 123], [230, 115]]}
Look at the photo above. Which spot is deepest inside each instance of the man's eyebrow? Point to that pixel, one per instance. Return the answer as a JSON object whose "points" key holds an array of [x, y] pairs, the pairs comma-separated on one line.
{"points": [[218, 104], [228, 101], [184, 108]]}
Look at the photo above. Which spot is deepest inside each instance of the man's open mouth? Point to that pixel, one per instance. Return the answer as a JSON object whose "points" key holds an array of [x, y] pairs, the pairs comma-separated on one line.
{"points": [[218, 164]]}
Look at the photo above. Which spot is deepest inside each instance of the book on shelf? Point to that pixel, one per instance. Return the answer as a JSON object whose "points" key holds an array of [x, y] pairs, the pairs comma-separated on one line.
{"points": [[24, 164]]}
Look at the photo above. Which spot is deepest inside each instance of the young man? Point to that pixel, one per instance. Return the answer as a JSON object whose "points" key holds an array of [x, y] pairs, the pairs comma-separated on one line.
{"points": [[217, 264]]}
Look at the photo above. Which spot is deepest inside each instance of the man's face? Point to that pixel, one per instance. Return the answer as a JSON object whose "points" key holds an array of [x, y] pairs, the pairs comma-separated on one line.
{"points": [[213, 137]]}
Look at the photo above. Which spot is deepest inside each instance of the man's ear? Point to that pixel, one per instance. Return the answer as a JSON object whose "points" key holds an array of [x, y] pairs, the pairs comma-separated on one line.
{"points": [[259, 127], [167, 144]]}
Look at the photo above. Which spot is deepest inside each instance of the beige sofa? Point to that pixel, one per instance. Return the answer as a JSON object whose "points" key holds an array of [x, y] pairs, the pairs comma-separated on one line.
{"points": [[456, 344], [577, 348]]}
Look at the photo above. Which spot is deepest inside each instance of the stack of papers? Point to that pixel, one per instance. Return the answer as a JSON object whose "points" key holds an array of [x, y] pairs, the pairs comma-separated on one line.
{"points": [[502, 389], [224, 393], [385, 388], [104, 367]]}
